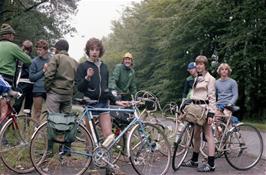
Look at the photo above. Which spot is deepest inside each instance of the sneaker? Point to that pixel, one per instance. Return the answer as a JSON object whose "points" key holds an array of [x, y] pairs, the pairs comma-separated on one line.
{"points": [[190, 163], [206, 168]]}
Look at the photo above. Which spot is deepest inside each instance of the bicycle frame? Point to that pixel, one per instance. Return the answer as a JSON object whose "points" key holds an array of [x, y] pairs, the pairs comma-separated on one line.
{"points": [[88, 113], [10, 113]]}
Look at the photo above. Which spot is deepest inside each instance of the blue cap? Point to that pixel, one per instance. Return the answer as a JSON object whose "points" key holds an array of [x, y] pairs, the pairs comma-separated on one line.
{"points": [[191, 65]]}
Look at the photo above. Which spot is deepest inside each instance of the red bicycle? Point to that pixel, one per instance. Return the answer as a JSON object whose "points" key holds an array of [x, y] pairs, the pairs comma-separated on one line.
{"points": [[15, 136]]}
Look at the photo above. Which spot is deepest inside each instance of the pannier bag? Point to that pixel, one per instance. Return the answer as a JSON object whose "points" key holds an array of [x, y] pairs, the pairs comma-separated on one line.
{"points": [[195, 114], [62, 128]]}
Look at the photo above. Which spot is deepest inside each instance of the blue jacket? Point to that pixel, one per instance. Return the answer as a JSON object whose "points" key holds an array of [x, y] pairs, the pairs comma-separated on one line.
{"points": [[36, 73]]}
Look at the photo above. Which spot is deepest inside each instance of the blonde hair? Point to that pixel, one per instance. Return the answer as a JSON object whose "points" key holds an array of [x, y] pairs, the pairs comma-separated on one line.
{"points": [[202, 59], [224, 65]]}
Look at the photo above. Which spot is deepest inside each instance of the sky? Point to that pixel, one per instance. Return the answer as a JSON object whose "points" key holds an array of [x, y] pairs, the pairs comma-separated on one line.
{"points": [[93, 19]]}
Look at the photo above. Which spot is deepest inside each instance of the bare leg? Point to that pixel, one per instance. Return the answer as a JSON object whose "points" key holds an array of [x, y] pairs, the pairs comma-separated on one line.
{"points": [[196, 141], [37, 103], [210, 139], [106, 124]]}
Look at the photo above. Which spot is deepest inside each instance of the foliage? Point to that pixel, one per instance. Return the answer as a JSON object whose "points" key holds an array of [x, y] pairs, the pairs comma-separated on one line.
{"points": [[38, 19], [165, 35]]}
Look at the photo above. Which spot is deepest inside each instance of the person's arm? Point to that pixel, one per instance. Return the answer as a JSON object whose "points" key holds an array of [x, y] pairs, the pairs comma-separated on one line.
{"points": [[33, 74], [50, 73], [133, 86], [18, 53], [211, 96], [235, 92], [114, 79]]}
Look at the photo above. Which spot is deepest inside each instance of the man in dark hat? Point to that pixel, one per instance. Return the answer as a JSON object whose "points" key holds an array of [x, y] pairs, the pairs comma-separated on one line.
{"points": [[59, 79], [59, 83], [9, 54]]}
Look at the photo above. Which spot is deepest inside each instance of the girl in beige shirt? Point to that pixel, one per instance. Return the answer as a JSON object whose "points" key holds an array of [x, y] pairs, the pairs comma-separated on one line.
{"points": [[203, 93]]}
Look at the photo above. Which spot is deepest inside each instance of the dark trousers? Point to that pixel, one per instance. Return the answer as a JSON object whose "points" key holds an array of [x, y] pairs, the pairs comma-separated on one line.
{"points": [[26, 89]]}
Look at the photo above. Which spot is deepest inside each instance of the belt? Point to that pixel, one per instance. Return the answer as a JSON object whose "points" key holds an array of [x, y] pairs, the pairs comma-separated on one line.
{"points": [[200, 102]]}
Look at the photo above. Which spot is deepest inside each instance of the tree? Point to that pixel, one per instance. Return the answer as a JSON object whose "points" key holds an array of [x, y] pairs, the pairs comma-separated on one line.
{"points": [[45, 19], [165, 35]]}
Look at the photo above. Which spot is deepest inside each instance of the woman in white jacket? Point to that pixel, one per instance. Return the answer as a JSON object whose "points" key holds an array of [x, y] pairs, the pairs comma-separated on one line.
{"points": [[203, 93]]}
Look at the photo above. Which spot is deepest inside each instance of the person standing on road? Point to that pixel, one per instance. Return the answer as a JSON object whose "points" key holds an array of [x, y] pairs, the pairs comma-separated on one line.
{"points": [[203, 93], [191, 68], [36, 75], [92, 81], [9, 54], [59, 83], [122, 80]]}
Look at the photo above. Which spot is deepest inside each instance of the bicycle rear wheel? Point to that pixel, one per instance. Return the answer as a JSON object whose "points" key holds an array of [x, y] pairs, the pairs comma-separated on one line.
{"points": [[145, 151], [181, 149], [244, 147], [72, 158], [15, 144]]}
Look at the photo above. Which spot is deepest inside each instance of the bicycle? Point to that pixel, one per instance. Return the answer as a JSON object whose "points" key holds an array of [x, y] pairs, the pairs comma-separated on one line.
{"points": [[241, 144], [142, 148], [233, 143], [15, 139]]}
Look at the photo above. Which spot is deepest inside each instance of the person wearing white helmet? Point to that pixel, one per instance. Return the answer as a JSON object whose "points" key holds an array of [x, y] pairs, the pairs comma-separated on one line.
{"points": [[122, 80]]}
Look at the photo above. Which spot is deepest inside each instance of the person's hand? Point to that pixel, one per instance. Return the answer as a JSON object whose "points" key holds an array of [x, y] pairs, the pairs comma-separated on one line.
{"points": [[45, 66], [90, 73], [122, 103]]}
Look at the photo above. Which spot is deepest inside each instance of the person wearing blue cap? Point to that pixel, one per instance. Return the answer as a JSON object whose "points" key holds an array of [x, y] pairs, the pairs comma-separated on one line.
{"points": [[191, 68]]}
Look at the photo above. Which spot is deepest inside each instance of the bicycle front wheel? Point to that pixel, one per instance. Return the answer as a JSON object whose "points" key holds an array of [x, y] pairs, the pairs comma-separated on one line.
{"points": [[15, 143], [244, 147], [181, 148], [55, 158], [145, 151]]}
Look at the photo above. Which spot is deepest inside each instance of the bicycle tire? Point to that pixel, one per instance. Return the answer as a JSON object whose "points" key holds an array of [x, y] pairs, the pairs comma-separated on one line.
{"points": [[144, 150], [181, 149], [244, 146], [169, 128], [15, 144], [75, 161]]}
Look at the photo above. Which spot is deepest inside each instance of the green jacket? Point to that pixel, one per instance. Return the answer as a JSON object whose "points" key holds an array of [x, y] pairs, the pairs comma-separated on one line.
{"points": [[123, 80], [9, 54], [60, 74]]}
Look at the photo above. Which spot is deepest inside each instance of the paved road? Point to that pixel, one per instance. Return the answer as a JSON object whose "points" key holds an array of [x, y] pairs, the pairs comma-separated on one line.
{"points": [[222, 168]]}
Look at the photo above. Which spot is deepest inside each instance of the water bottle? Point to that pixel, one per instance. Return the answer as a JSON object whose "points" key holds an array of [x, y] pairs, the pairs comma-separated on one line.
{"points": [[180, 129]]}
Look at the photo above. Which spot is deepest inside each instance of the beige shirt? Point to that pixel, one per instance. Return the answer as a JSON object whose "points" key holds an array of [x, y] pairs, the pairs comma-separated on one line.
{"points": [[205, 90]]}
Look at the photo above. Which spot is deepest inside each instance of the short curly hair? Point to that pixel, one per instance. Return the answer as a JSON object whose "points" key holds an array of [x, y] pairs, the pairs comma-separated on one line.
{"points": [[42, 44], [94, 42]]}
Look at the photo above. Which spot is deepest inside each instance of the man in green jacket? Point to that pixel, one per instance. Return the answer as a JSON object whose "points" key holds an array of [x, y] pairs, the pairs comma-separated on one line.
{"points": [[122, 80], [9, 54]]}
